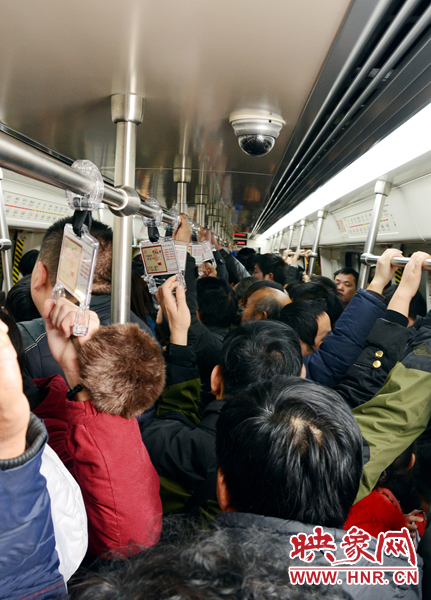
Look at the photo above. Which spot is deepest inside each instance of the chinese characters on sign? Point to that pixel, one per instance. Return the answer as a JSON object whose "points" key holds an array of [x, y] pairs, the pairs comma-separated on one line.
{"points": [[356, 548]]}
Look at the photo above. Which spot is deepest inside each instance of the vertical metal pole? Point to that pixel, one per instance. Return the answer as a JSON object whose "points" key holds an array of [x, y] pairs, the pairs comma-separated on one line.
{"points": [[289, 239], [321, 216], [6, 255], [301, 233], [280, 237], [127, 112], [382, 190]]}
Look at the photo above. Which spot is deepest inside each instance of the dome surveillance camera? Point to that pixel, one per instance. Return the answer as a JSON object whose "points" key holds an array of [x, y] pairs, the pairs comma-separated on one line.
{"points": [[256, 131]]}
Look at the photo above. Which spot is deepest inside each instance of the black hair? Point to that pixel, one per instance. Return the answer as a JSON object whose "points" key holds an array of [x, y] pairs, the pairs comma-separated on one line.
{"points": [[270, 263], [247, 257], [259, 350], [417, 307], [27, 262], [314, 290], [221, 564], [291, 449], [242, 286], [398, 469], [15, 336], [302, 317], [348, 271], [19, 302], [216, 301], [140, 302]]}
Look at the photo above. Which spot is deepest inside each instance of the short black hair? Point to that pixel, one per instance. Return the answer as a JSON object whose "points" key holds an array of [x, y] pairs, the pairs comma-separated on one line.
{"points": [[19, 302], [417, 306], [247, 257], [313, 290], [216, 301], [27, 262], [209, 565], [270, 263], [302, 317], [291, 449], [348, 271], [259, 350], [242, 286]]}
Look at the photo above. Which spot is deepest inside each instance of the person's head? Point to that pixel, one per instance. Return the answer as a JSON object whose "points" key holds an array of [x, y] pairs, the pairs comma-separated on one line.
{"points": [[271, 267], [216, 301], [346, 280], [314, 290], [44, 275], [265, 303], [140, 302], [256, 351], [417, 308], [27, 262], [242, 287], [291, 449], [310, 321], [215, 564], [400, 468], [247, 257], [19, 302]]}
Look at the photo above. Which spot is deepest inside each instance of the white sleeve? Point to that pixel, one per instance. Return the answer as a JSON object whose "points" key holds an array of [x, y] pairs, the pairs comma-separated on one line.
{"points": [[67, 511]]}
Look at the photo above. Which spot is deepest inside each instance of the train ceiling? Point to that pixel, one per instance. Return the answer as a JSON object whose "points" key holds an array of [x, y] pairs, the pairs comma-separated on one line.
{"points": [[194, 62]]}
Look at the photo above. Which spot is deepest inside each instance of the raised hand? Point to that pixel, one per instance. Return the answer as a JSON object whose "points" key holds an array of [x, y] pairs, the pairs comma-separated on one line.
{"points": [[59, 320], [384, 270], [14, 407], [175, 309]]}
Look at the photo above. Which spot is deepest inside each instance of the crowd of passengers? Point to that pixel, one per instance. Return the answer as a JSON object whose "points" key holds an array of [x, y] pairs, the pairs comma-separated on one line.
{"points": [[177, 456]]}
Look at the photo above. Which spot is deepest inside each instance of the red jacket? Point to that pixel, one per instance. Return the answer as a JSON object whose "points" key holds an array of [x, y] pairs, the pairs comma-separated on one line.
{"points": [[379, 511], [106, 456]]}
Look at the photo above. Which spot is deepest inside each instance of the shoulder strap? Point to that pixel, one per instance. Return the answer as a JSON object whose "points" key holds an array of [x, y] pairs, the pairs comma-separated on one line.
{"points": [[31, 331]]}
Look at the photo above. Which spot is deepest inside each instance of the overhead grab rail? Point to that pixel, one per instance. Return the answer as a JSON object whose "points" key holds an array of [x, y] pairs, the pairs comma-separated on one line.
{"points": [[398, 261], [30, 162]]}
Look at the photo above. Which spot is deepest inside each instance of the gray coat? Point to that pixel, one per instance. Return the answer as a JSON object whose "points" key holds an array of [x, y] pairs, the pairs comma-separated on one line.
{"points": [[285, 529]]}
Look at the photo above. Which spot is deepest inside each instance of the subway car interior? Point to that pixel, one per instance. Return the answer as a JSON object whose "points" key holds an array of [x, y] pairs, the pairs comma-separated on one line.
{"points": [[300, 131]]}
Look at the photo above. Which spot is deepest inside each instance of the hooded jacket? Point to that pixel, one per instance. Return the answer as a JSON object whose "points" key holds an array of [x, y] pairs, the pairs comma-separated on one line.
{"points": [[106, 456]]}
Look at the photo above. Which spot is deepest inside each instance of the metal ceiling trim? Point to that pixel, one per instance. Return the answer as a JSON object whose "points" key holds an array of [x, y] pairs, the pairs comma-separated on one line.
{"points": [[405, 94], [360, 24], [299, 171], [371, 61]]}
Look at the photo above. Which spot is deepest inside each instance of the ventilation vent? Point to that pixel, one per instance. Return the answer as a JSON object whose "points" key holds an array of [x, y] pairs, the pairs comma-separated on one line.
{"points": [[383, 81]]}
